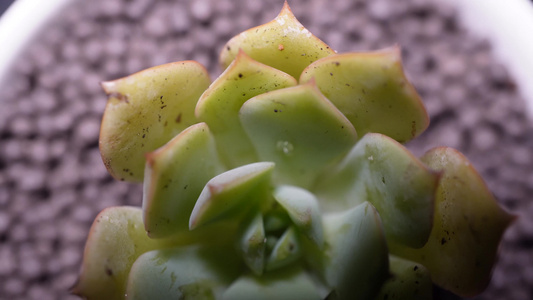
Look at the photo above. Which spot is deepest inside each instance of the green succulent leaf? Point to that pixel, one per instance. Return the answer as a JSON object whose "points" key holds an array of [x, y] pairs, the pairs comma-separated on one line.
{"points": [[299, 130], [383, 172], [286, 251], [175, 174], [262, 186], [304, 211], [372, 91], [219, 105], [469, 224], [276, 218], [284, 284], [183, 273], [236, 189], [284, 43], [144, 111], [409, 281], [253, 245], [356, 263], [116, 239]]}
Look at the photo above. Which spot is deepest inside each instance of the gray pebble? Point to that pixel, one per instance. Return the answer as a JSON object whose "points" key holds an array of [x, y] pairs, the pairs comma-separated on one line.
{"points": [[201, 10]]}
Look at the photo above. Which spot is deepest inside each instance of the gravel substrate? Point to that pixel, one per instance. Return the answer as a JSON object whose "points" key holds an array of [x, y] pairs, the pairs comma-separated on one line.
{"points": [[53, 182]]}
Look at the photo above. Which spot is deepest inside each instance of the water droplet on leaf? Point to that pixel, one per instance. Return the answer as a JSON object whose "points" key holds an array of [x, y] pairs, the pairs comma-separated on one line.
{"points": [[285, 147]]}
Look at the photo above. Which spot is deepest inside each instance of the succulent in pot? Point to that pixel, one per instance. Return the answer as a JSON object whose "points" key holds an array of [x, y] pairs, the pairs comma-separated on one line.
{"points": [[285, 178]]}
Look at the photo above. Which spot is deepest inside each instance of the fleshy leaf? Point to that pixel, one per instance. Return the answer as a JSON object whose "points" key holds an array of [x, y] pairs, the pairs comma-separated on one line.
{"points": [[284, 284], [144, 111], [372, 91], [240, 188], [468, 226], [175, 175], [383, 172], [304, 211], [219, 105], [276, 219], [116, 239], [409, 281], [283, 43], [299, 130], [253, 245], [286, 251], [356, 263], [183, 273]]}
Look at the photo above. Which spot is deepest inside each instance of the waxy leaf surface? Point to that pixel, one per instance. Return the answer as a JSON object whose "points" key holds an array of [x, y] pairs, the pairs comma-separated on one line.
{"points": [[304, 211], [286, 251], [220, 104], [285, 284], [253, 245], [144, 111], [241, 188], [383, 172], [116, 239], [371, 90], [299, 130], [283, 43], [468, 226], [409, 281], [174, 177], [356, 260], [183, 273]]}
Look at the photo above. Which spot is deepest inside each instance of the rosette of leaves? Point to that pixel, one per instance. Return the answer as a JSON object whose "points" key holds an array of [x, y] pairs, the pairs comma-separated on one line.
{"points": [[285, 178]]}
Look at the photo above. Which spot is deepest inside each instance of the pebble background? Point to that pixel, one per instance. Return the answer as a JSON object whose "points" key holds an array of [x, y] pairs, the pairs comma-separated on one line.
{"points": [[52, 180]]}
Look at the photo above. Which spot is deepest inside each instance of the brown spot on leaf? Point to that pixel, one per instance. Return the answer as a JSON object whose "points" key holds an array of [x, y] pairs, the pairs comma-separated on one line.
{"points": [[119, 96], [108, 271], [178, 118]]}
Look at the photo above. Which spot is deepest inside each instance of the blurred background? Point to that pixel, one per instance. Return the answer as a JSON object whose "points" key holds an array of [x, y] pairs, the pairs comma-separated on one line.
{"points": [[52, 179]]}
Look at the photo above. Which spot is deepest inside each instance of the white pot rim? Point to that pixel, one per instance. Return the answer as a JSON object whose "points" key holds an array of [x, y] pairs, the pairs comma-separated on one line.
{"points": [[19, 24], [508, 25]]}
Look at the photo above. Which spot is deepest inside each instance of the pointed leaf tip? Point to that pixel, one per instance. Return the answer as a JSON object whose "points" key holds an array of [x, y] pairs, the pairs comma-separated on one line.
{"points": [[241, 187], [174, 177], [356, 262], [116, 239], [382, 171], [372, 91], [220, 103], [253, 245], [144, 111], [468, 226], [283, 43], [299, 129], [304, 211]]}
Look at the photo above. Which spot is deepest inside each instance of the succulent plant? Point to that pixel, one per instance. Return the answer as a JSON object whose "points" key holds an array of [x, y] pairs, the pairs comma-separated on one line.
{"points": [[285, 178]]}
